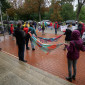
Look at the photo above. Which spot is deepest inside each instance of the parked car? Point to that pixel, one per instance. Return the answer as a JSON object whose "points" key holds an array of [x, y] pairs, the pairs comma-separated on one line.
{"points": [[13, 22], [29, 21], [47, 21], [73, 22]]}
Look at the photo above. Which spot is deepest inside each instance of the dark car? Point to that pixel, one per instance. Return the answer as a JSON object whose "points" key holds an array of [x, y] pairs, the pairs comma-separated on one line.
{"points": [[73, 22]]}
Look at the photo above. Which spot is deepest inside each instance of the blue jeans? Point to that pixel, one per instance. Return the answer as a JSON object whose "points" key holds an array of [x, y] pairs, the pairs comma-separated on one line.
{"points": [[32, 45], [55, 30]]}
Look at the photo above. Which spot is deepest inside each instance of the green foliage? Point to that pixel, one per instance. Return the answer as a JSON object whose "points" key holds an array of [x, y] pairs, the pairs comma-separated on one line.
{"points": [[5, 5], [82, 14], [67, 12], [4, 16]]}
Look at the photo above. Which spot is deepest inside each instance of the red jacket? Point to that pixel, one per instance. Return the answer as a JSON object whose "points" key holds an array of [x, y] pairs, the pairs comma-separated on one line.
{"points": [[83, 29], [51, 24], [12, 28], [26, 30], [57, 25]]}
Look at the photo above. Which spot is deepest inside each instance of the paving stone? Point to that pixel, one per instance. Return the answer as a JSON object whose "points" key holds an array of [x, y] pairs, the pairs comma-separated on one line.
{"points": [[44, 73], [50, 81], [12, 60], [36, 74], [28, 77], [29, 73], [12, 79], [3, 71]]}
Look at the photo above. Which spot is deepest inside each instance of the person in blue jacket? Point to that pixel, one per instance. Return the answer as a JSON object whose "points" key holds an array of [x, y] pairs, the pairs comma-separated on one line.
{"points": [[32, 31]]}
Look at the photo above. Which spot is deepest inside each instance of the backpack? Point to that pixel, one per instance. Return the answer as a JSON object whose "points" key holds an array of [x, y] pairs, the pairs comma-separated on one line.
{"points": [[56, 25]]}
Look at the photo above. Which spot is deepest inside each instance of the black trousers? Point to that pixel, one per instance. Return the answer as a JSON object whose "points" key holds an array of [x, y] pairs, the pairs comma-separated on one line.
{"points": [[27, 43], [21, 51]]}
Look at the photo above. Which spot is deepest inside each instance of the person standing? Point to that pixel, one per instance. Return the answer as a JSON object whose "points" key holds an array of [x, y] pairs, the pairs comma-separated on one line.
{"points": [[32, 31], [45, 25], [35, 24], [20, 40], [73, 54], [51, 26], [43, 28], [80, 27], [27, 36], [12, 30], [56, 27], [83, 29], [68, 35]]}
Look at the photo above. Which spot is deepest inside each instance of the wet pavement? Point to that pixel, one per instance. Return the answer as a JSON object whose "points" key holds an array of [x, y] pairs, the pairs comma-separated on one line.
{"points": [[55, 62]]}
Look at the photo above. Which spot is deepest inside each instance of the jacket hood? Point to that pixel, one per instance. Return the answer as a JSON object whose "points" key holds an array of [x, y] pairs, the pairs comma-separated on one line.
{"points": [[75, 35], [11, 25], [56, 22]]}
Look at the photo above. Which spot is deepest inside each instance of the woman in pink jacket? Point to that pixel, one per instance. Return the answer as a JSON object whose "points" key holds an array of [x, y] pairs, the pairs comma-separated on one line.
{"points": [[73, 54]]}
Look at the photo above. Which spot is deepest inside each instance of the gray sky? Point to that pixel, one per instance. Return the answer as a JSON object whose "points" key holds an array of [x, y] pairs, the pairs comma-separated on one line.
{"points": [[75, 3]]}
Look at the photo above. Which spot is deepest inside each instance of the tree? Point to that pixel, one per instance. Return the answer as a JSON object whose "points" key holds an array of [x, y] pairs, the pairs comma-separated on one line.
{"points": [[5, 5], [36, 6], [67, 12], [82, 14], [80, 4], [54, 11], [11, 13]]}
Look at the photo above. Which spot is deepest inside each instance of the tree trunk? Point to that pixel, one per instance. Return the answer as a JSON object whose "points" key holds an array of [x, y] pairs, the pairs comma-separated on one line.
{"points": [[39, 14], [78, 10]]}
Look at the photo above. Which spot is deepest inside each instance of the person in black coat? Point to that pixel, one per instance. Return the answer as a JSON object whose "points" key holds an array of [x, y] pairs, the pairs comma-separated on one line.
{"points": [[68, 35], [20, 40], [80, 27]]}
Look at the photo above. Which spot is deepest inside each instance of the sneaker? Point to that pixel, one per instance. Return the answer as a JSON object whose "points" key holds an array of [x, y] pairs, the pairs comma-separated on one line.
{"points": [[69, 79], [33, 49]]}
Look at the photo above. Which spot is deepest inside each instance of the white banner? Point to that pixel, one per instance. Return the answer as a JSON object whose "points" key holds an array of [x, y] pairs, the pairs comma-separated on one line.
{"points": [[63, 28]]}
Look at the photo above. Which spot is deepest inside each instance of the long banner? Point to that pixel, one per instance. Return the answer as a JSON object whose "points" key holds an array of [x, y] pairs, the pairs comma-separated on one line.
{"points": [[44, 47], [49, 39]]}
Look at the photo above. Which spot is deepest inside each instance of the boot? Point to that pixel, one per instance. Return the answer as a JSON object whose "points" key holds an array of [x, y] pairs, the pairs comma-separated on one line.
{"points": [[69, 79], [73, 77]]}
